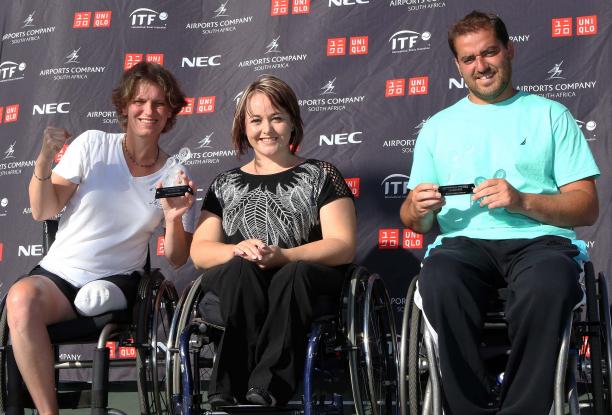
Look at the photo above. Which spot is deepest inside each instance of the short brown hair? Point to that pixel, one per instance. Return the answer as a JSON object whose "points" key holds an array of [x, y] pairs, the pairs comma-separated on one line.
{"points": [[155, 74], [282, 97], [474, 22]]}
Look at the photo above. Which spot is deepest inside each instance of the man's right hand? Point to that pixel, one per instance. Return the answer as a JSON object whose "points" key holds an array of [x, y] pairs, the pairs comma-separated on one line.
{"points": [[53, 140], [417, 211]]}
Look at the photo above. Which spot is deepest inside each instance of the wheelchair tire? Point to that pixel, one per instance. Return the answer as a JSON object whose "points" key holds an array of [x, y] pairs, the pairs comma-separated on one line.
{"points": [[154, 318], [604, 312], [4, 336]]}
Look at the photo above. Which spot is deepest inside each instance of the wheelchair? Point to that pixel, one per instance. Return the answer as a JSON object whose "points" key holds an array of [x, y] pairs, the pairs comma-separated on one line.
{"points": [[583, 375], [358, 332], [145, 328]]}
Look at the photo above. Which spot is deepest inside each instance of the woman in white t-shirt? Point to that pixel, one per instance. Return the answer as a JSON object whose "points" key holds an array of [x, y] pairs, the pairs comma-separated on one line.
{"points": [[106, 182]]}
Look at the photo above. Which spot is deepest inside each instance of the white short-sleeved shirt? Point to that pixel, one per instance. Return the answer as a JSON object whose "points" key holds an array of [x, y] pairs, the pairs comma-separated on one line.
{"points": [[110, 218]]}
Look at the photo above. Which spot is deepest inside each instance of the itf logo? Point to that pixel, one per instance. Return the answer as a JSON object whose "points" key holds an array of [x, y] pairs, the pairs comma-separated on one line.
{"points": [[10, 113], [281, 7], [144, 18], [585, 26], [83, 20], [132, 59]]}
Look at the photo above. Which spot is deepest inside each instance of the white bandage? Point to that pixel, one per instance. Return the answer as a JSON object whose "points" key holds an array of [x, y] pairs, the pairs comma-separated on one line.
{"points": [[99, 297]]}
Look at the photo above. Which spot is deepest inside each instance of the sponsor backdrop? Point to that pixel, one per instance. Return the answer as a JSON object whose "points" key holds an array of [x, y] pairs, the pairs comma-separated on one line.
{"points": [[368, 74]]}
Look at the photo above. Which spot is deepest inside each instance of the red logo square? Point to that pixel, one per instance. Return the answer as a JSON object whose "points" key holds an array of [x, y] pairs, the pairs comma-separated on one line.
{"points": [[300, 7], [131, 59], [112, 348], [336, 46], [205, 104], [353, 184], [102, 19], [412, 240], [60, 154], [81, 20], [586, 25], [359, 45], [155, 58], [188, 109], [1, 112], [388, 238], [160, 246], [395, 87], [11, 113], [127, 352], [562, 27], [279, 7], [1, 251], [418, 85]]}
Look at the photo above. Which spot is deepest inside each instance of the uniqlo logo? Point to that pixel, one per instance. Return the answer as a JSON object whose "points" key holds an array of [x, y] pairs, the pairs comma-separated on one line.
{"points": [[395, 88], [418, 85], [353, 184], [300, 7], [336, 46], [132, 59], [562, 27], [11, 113], [586, 25], [102, 19], [188, 109], [412, 240], [82, 20], [112, 349], [279, 7], [127, 352], [60, 154], [1, 251], [160, 246], [205, 104], [155, 58], [358, 45], [388, 238], [1, 112]]}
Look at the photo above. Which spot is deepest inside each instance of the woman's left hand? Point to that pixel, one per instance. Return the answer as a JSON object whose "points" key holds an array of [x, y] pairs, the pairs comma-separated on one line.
{"points": [[272, 257], [175, 207]]}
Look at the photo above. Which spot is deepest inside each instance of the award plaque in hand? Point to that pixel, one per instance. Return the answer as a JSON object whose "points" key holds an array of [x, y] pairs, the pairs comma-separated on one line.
{"points": [[172, 183]]}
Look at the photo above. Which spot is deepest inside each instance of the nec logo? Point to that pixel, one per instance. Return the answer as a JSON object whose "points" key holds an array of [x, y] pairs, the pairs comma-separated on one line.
{"points": [[418, 85], [585, 26], [281, 7], [10, 113], [347, 2], [456, 83], [132, 59], [52, 108], [101, 19], [353, 184], [30, 250], [340, 139], [337, 46], [146, 17], [200, 61], [203, 105]]}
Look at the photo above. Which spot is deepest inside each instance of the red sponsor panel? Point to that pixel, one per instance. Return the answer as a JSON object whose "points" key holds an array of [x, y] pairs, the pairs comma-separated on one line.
{"points": [[279, 7], [126, 352], [358, 45], [353, 184], [562, 27], [11, 113], [205, 105], [188, 109], [1, 251], [112, 349], [586, 25], [1, 112], [300, 7], [336, 46], [131, 59], [155, 58], [82, 20], [102, 19], [418, 85], [388, 238], [60, 154], [395, 87], [412, 240], [160, 246]]}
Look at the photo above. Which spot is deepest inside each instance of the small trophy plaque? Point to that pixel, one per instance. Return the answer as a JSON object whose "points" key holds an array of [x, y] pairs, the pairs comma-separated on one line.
{"points": [[172, 182]]}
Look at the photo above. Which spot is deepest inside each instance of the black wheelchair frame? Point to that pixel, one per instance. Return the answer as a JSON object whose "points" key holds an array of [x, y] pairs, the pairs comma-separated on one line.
{"points": [[144, 328], [362, 333], [584, 365]]}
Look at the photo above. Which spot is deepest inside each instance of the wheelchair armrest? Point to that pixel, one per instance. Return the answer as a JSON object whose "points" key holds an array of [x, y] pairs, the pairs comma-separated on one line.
{"points": [[49, 231]]}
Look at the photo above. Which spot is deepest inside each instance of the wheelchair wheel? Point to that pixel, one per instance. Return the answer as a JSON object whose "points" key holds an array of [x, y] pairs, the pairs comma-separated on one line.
{"points": [[4, 336], [154, 318], [373, 360]]}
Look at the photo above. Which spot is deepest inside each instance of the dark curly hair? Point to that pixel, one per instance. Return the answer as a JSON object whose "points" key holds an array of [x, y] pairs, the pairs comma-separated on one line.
{"points": [[475, 21]]}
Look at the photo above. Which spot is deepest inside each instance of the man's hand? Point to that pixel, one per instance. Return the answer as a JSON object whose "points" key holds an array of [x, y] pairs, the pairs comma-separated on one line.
{"points": [[498, 193], [425, 199]]}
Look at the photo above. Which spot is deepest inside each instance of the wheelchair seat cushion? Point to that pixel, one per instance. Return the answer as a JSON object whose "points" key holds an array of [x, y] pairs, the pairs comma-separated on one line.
{"points": [[86, 329]]}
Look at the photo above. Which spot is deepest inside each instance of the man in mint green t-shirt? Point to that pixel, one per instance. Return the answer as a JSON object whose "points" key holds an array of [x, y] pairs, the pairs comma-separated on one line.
{"points": [[534, 181]]}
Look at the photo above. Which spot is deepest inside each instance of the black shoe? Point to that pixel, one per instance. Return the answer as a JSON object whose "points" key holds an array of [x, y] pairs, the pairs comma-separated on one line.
{"points": [[219, 400], [261, 397]]}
